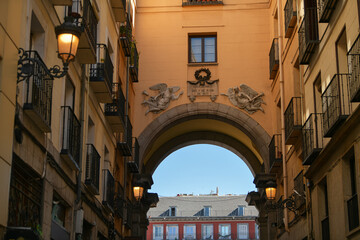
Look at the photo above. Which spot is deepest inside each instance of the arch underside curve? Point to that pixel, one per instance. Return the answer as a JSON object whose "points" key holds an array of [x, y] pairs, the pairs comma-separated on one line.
{"points": [[215, 111]]}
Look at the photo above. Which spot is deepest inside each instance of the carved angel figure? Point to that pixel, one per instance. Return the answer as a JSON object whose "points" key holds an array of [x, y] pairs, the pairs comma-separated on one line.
{"points": [[162, 100], [245, 98]]}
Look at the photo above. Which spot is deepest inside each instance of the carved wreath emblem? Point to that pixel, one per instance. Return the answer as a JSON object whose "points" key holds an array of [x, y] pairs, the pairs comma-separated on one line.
{"points": [[202, 79]]}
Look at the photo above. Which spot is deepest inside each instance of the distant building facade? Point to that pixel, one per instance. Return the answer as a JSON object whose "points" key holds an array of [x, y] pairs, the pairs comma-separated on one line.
{"points": [[202, 217]]}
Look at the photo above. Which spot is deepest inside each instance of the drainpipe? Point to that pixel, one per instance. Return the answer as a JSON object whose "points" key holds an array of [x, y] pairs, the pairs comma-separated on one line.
{"points": [[282, 95]]}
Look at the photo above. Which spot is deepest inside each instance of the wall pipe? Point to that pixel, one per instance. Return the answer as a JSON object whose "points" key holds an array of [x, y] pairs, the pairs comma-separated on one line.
{"points": [[282, 103]]}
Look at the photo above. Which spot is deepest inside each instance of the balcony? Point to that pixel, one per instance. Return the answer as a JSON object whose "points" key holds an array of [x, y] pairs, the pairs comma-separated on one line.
{"points": [[354, 70], [200, 2], [119, 9], [326, 8], [290, 18], [101, 75], [108, 190], [133, 161], [126, 37], [115, 111], [275, 153], [38, 95], [299, 187], [274, 58], [312, 138], [134, 63], [70, 151], [86, 17], [308, 35], [125, 139], [119, 201], [92, 169], [353, 212], [293, 123], [335, 104]]}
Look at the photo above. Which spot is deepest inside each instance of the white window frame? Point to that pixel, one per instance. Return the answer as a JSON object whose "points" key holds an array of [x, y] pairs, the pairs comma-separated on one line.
{"points": [[220, 233], [177, 231], [203, 226], [162, 231], [189, 226], [209, 208], [256, 231], [238, 231], [243, 211], [171, 207]]}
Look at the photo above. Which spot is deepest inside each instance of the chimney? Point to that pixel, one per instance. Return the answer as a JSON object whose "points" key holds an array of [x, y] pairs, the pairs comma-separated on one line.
{"points": [[217, 191]]}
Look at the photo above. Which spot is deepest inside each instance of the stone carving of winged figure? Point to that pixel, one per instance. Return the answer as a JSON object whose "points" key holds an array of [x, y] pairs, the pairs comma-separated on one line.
{"points": [[245, 98], [162, 100]]}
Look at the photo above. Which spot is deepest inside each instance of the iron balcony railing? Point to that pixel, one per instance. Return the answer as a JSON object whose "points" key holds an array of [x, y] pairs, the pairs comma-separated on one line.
{"points": [[117, 107], [85, 17], [293, 122], [125, 139], [103, 70], [92, 169], [70, 137], [354, 70], [274, 58], [108, 190], [326, 8], [299, 187], [133, 161], [290, 17], [200, 2], [312, 138], [126, 36], [38, 95], [325, 229], [275, 153], [308, 35], [119, 201], [353, 212], [134, 63], [335, 104]]}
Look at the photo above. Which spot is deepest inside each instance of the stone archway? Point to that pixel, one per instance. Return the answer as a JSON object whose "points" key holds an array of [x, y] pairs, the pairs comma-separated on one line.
{"points": [[153, 151]]}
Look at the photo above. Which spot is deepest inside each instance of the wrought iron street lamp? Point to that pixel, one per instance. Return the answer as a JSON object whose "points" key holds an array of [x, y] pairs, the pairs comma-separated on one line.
{"points": [[138, 192], [68, 35], [270, 190], [288, 203]]}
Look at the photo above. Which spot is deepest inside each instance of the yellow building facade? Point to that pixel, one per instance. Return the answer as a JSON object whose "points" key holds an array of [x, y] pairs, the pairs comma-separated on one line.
{"points": [[276, 82]]}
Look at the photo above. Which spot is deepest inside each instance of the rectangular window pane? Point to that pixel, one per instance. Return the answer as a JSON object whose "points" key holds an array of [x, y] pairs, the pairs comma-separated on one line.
{"points": [[172, 232], [189, 232], [207, 211], [224, 231], [207, 231], [241, 211], [243, 231], [195, 50], [209, 49], [158, 232]]}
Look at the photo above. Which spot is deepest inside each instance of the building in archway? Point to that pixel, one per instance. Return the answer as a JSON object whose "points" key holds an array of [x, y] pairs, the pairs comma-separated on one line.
{"points": [[202, 217], [274, 81]]}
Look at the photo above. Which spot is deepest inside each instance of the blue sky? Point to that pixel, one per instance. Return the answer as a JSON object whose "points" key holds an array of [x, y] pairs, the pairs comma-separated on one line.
{"points": [[199, 169]]}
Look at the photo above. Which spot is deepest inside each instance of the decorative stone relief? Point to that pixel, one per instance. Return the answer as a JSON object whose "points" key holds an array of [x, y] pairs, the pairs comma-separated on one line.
{"points": [[203, 86], [161, 101], [245, 98]]}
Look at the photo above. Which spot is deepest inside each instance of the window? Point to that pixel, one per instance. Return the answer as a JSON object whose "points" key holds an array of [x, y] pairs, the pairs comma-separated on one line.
{"points": [[172, 232], [172, 211], [243, 231], [241, 211], [189, 232], [202, 49], [224, 231], [324, 210], [158, 232], [207, 231], [256, 231], [207, 211]]}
